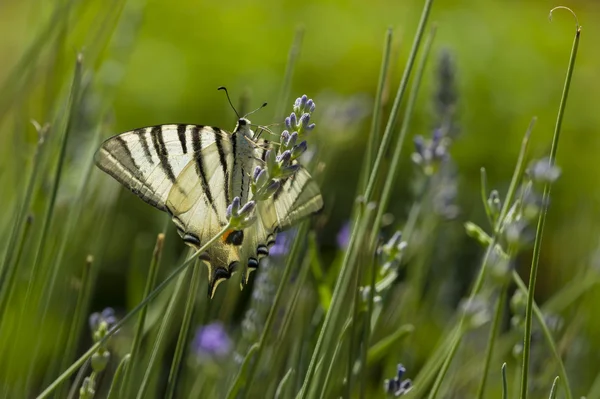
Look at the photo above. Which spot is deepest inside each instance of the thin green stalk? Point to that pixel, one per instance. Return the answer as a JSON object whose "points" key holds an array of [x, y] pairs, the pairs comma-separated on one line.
{"points": [[57, 264], [542, 218], [336, 352], [14, 85], [7, 291], [504, 382], [283, 384], [164, 326], [377, 108], [78, 313], [387, 135], [8, 264], [343, 280], [291, 308], [362, 232], [355, 298], [118, 381], [446, 365], [518, 172], [554, 389], [78, 380], [407, 231], [594, 392], [367, 330], [184, 330], [408, 112], [548, 335], [434, 362], [284, 94], [381, 348], [69, 118], [290, 262], [79, 362], [139, 328], [240, 378], [484, 196], [491, 340]]}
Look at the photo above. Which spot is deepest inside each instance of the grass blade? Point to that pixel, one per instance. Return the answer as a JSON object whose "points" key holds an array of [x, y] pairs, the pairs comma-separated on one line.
{"points": [[542, 218]]}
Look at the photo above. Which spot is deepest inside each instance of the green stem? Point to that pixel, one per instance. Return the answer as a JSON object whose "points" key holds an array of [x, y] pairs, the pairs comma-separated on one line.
{"points": [[343, 280], [542, 218], [408, 112], [118, 378], [164, 326], [391, 124], [79, 362], [518, 172], [290, 262], [332, 364], [356, 297], [283, 384], [554, 389], [9, 266], [139, 328], [184, 331], [284, 95], [446, 365], [367, 330], [504, 382], [79, 313], [7, 291], [548, 335], [240, 378], [484, 197], [491, 340], [377, 108]]}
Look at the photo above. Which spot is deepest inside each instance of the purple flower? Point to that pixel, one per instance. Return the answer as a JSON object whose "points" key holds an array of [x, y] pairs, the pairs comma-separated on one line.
{"points": [[211, 340], [282, 244], [107, 317], [343, 236], [398, 386]]}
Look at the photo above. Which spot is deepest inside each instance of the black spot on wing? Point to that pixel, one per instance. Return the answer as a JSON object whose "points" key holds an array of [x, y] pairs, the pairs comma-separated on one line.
{"points": [[252, 263], [262, 250], [235, 238]]}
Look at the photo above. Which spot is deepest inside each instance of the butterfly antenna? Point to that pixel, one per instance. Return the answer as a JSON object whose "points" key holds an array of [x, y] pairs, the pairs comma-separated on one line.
{"points": [[229, 99], [257, 109]]}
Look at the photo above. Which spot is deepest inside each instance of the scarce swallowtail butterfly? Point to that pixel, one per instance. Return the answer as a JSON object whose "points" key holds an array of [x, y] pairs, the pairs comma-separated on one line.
{"points": [[193, 172]]}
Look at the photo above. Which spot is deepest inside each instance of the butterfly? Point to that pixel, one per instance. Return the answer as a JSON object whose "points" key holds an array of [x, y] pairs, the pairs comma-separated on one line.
{"points": [[193, 173]]}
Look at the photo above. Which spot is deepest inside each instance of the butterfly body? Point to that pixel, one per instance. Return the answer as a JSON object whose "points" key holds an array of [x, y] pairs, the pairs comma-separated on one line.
{"points": [[193, 172]]}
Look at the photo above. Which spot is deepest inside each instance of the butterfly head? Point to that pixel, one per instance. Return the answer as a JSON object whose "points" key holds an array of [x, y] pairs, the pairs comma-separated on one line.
{"points": [[243, 126]]}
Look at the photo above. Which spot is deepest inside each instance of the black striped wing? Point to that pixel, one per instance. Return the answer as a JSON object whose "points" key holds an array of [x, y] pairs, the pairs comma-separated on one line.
{"points": [[192, 172], [149, 160]]}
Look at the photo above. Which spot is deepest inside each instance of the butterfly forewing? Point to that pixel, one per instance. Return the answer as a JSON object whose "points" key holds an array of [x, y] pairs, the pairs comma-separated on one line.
{"points": [[148, 160]]}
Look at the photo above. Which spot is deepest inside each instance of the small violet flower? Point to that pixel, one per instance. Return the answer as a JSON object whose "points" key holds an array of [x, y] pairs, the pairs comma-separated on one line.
{"points": [[343, 236], [282, 243], [398, 386], [240, 218], [211, 341]]}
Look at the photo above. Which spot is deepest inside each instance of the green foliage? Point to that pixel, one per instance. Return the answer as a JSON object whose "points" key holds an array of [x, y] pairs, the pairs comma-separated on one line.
{"points": [[324, 316]]}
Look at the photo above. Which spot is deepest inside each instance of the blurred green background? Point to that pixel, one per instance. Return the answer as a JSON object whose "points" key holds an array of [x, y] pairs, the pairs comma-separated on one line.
{"points": [[165, 60]]}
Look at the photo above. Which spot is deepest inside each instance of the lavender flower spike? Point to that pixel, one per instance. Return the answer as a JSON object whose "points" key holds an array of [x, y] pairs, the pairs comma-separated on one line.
{"points": [[211, 341]]}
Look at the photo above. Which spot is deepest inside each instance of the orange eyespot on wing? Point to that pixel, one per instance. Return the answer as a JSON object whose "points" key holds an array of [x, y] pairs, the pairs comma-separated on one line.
{"points": [[233, 237]]}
